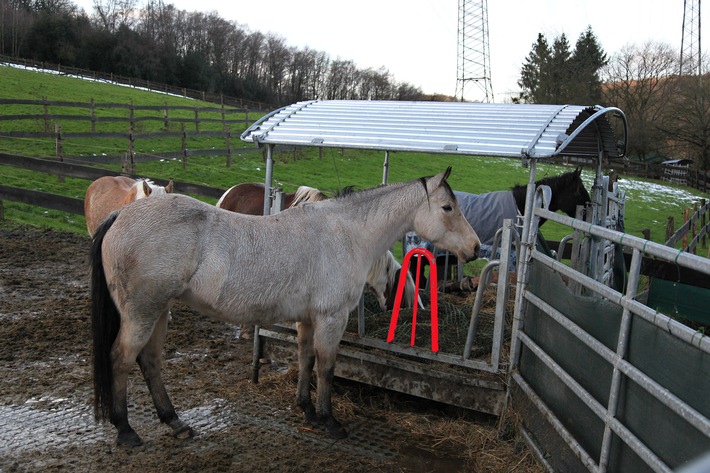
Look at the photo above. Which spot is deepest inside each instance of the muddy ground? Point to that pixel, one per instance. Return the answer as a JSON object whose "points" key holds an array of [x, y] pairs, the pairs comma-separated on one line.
{"points": [[46, 416]]}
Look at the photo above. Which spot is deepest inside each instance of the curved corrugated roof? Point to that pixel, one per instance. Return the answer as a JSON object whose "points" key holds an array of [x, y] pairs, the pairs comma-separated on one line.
{"points": [[478, 129]]}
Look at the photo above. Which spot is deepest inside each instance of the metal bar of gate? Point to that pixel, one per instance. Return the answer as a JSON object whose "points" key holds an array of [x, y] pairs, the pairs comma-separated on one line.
{"points": [[616, 358]]}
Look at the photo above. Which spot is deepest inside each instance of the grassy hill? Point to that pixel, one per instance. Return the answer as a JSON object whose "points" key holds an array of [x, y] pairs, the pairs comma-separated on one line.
{"points": [[648, 203]]}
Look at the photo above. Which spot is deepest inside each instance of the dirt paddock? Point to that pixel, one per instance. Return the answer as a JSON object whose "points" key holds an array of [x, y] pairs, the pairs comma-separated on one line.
{"points": [[46, 414]]}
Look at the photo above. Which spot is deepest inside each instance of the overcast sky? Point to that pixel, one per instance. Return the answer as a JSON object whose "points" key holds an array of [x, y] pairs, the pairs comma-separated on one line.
{"points": [[416, 40]]}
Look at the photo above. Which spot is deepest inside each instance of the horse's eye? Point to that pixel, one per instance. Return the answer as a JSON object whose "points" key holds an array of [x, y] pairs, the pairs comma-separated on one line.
{"points": [[447, 208]]}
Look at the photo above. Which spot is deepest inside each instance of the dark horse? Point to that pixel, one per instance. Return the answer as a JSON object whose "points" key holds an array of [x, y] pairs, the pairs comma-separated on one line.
{"points": [[486, 212]]}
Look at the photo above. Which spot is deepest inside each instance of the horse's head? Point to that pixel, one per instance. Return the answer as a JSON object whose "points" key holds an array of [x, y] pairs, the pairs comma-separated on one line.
{"points": [[150, 188], [569, 192], [441, 222]]}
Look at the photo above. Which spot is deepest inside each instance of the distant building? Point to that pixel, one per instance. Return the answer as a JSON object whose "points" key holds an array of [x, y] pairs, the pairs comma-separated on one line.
{"points": [[676, 170]]}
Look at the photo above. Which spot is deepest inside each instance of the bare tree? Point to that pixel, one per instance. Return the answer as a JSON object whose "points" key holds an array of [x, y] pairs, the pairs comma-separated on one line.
{"points": [[112, 14], [688, 120], [278, 58], [341, 80], [15, 22], [639, 80]]}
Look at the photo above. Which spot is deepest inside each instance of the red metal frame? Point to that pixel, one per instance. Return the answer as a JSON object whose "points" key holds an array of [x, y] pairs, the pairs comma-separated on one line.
{"points": [[433, 296]]}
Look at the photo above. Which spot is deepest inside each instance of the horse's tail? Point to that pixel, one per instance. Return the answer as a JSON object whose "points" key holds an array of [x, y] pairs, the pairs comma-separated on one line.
{"points": [[105, 323]]}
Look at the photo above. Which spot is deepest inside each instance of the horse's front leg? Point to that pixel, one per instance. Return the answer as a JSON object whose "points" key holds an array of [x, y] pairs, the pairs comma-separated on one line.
{"points": [[306, 360], [327, 335], [150, 361]]}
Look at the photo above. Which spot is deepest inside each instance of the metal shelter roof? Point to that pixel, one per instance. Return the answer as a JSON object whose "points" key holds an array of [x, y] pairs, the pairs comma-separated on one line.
{"points": [[477, 129]]}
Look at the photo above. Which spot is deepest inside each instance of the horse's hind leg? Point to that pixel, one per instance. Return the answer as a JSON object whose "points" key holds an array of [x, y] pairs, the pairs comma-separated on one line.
{"points": [[306, 360], [325, 343], [131, 339], [150, 362]]}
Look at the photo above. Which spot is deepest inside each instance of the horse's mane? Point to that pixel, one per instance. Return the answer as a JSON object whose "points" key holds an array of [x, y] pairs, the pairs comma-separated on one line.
{"points": [[568, 180], [350, 190], [561, 180], [307, 194]]}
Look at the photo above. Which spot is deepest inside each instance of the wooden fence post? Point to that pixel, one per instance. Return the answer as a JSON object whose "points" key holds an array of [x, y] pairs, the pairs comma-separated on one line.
{"points": [[58, 148], [46, 115], [166, 122], [129, 164], [2, 211], [131, 113], [93, 117], [670, 227], [184, 147], [686, 216], [703, 221], [228, 138], [197, 120]]}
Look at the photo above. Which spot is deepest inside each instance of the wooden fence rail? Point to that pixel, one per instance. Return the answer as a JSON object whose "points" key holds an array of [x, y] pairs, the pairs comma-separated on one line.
{"points": [[66, 111], [62, 169], [696, 226], [53, 113]]}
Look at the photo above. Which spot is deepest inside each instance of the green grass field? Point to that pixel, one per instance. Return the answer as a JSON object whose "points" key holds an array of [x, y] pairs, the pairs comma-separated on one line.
{"points": [[648, 205]]}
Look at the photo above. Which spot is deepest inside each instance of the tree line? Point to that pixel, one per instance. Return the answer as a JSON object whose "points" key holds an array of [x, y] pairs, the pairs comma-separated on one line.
{"points": [[195, 50], [668, 112]]}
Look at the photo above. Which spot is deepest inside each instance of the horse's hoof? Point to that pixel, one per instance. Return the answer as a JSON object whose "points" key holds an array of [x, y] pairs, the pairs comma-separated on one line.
{"points": [[183, 432], [129, 439], [335, 430], [309, 412]]}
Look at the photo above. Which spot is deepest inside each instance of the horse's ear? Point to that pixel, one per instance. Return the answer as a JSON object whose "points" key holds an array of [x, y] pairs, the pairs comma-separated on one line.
{"points": [[169, 187], [446, 173], [146, 188], [442, 176]]}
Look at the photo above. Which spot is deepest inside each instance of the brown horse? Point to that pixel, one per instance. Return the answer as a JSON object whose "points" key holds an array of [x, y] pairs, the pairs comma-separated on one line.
{"points": [[109, 193], [248, 198]]}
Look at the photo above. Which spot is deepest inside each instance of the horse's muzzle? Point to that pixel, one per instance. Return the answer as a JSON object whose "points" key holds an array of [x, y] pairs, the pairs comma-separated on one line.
{"points": [[466, 257]]}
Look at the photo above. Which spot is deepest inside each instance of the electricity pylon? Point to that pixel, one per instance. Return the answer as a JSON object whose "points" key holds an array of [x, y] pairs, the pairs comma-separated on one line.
{"points": [[690, 52], [473, 64]]}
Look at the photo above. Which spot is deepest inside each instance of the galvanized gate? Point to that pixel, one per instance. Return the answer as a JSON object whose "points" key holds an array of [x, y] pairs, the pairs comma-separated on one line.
{"points": [[603, 382]]}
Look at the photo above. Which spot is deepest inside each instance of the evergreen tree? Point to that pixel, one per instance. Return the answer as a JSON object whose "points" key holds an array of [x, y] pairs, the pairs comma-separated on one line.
{"points": [[532, 81], [588, 59], [558, 75]]}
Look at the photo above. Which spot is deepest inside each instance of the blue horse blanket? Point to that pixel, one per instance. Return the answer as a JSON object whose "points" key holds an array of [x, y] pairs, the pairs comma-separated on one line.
{"points": [[485, 213]]}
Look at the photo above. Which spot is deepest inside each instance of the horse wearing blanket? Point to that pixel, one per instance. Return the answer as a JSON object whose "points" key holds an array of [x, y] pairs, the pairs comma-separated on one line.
{"points": [[486, 212], [249, 270]]}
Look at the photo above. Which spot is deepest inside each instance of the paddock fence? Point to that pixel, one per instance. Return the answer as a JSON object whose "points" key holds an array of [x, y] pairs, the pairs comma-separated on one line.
{"points": [[62, 169], [60, 126]]}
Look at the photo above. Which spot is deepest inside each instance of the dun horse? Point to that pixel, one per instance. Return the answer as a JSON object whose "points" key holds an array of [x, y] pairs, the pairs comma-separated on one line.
{"points": [[109, 193], [248, 198], [249, 270]]}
